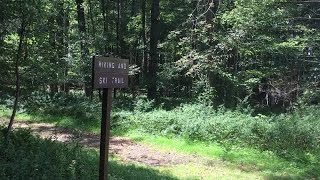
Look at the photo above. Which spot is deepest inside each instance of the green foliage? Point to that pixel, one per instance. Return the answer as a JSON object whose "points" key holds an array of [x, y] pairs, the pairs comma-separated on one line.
{"points": [[310, 97], [74, 105], [205, 93], [303, 165], [209, 57], [249, 40], [23, 156], [233, 48], [142, 104], [280, 133], [283, 134], [73, 111]]}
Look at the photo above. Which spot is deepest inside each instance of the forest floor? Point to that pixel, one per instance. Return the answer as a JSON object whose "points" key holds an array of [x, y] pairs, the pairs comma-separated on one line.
{"points": [[183, 166], [124, 148]]}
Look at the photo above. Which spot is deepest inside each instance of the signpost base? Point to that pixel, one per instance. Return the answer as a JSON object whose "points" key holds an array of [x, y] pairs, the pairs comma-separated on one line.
{"points": [[105, 133]]}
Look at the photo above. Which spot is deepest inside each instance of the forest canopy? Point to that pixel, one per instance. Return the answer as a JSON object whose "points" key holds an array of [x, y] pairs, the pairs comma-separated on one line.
{"points": [[264, 53]]}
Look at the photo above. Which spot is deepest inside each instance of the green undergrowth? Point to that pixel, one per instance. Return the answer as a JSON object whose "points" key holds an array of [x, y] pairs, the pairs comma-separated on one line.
{"points": [[288, 142], [24, 156], [269, 164], [282, 133], [70, 120]]}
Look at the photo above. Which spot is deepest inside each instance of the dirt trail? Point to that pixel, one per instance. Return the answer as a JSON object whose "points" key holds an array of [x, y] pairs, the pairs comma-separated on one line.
{"points": [[124, 148]]}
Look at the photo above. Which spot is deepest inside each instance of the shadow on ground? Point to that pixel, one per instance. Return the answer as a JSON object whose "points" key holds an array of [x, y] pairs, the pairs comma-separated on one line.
{"points": [[23, 156]]}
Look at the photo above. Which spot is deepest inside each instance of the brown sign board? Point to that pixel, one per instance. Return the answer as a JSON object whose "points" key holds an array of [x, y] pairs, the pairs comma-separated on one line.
{"points": [[110, 72]]}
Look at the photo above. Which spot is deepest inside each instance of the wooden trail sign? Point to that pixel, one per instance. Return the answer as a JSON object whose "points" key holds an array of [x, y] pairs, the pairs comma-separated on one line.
{"points": [[110, 72], [107, 73]]}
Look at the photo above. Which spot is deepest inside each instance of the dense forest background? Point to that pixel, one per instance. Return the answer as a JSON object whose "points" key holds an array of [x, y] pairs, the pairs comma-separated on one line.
{"points": [[222, 52], [241, 76]]}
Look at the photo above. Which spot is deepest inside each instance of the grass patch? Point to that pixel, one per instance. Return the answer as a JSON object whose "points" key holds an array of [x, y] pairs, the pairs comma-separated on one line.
{"points": [[65, 121], [6, 113], [209, 172], [68, 122], [269, 164], [179, 144]]}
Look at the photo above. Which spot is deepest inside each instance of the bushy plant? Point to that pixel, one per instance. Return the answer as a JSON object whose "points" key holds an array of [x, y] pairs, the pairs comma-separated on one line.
{"points": [[72, 105], [23, 156], [280, 133], [143, 104], [122, 121]]}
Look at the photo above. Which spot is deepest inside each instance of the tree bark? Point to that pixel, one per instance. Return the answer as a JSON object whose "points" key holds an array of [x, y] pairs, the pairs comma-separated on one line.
{"points": [[93, 27], [66, 48], [52, 55], [84, 48], [144, 38], [133, 8], [154, 56], [104, 9], [118, 33], [118, 27], [21, 33], [62, 43]]}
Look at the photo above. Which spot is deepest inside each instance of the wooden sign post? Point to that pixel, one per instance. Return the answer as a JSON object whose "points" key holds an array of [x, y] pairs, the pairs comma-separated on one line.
{"points": [[107, 73]]}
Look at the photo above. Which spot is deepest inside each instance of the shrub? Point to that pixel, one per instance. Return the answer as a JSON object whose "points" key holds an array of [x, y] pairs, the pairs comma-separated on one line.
{"points": [[142, 104], [81, 112], [25, 156], [297, 131]]}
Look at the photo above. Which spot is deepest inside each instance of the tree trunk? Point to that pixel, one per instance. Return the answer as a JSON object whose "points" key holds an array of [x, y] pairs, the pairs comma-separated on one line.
{"points": [[118, 25], [93, 26], [62, 43], [66, 49], [52, 55], [104, 9], [144, 38], [133, 8], [118, 33], [17, 74], [154, 57], [212, 7], [134, 80], [84, 47]]}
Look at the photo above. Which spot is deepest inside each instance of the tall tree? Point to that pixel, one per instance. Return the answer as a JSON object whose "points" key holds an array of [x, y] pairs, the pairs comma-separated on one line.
{"points": [[105, 15], [144, 37], [62, 43], [118, 25], [154, 56], [53, 54], [84, 46], [19, 56]]}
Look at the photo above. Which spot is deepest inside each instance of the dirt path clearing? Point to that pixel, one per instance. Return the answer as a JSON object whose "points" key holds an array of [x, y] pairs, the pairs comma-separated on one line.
{"points": [[124, 148], [177, 164]]}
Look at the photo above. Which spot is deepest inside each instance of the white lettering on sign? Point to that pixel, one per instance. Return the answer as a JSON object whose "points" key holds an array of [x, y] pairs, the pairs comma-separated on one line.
{"points": [[122, 66], [103, 80], [106, 65], [116, 80], [111, 65]]}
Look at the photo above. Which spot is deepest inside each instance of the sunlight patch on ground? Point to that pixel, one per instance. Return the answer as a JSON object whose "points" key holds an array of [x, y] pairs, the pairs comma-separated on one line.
{"points": [[208, 172]]}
